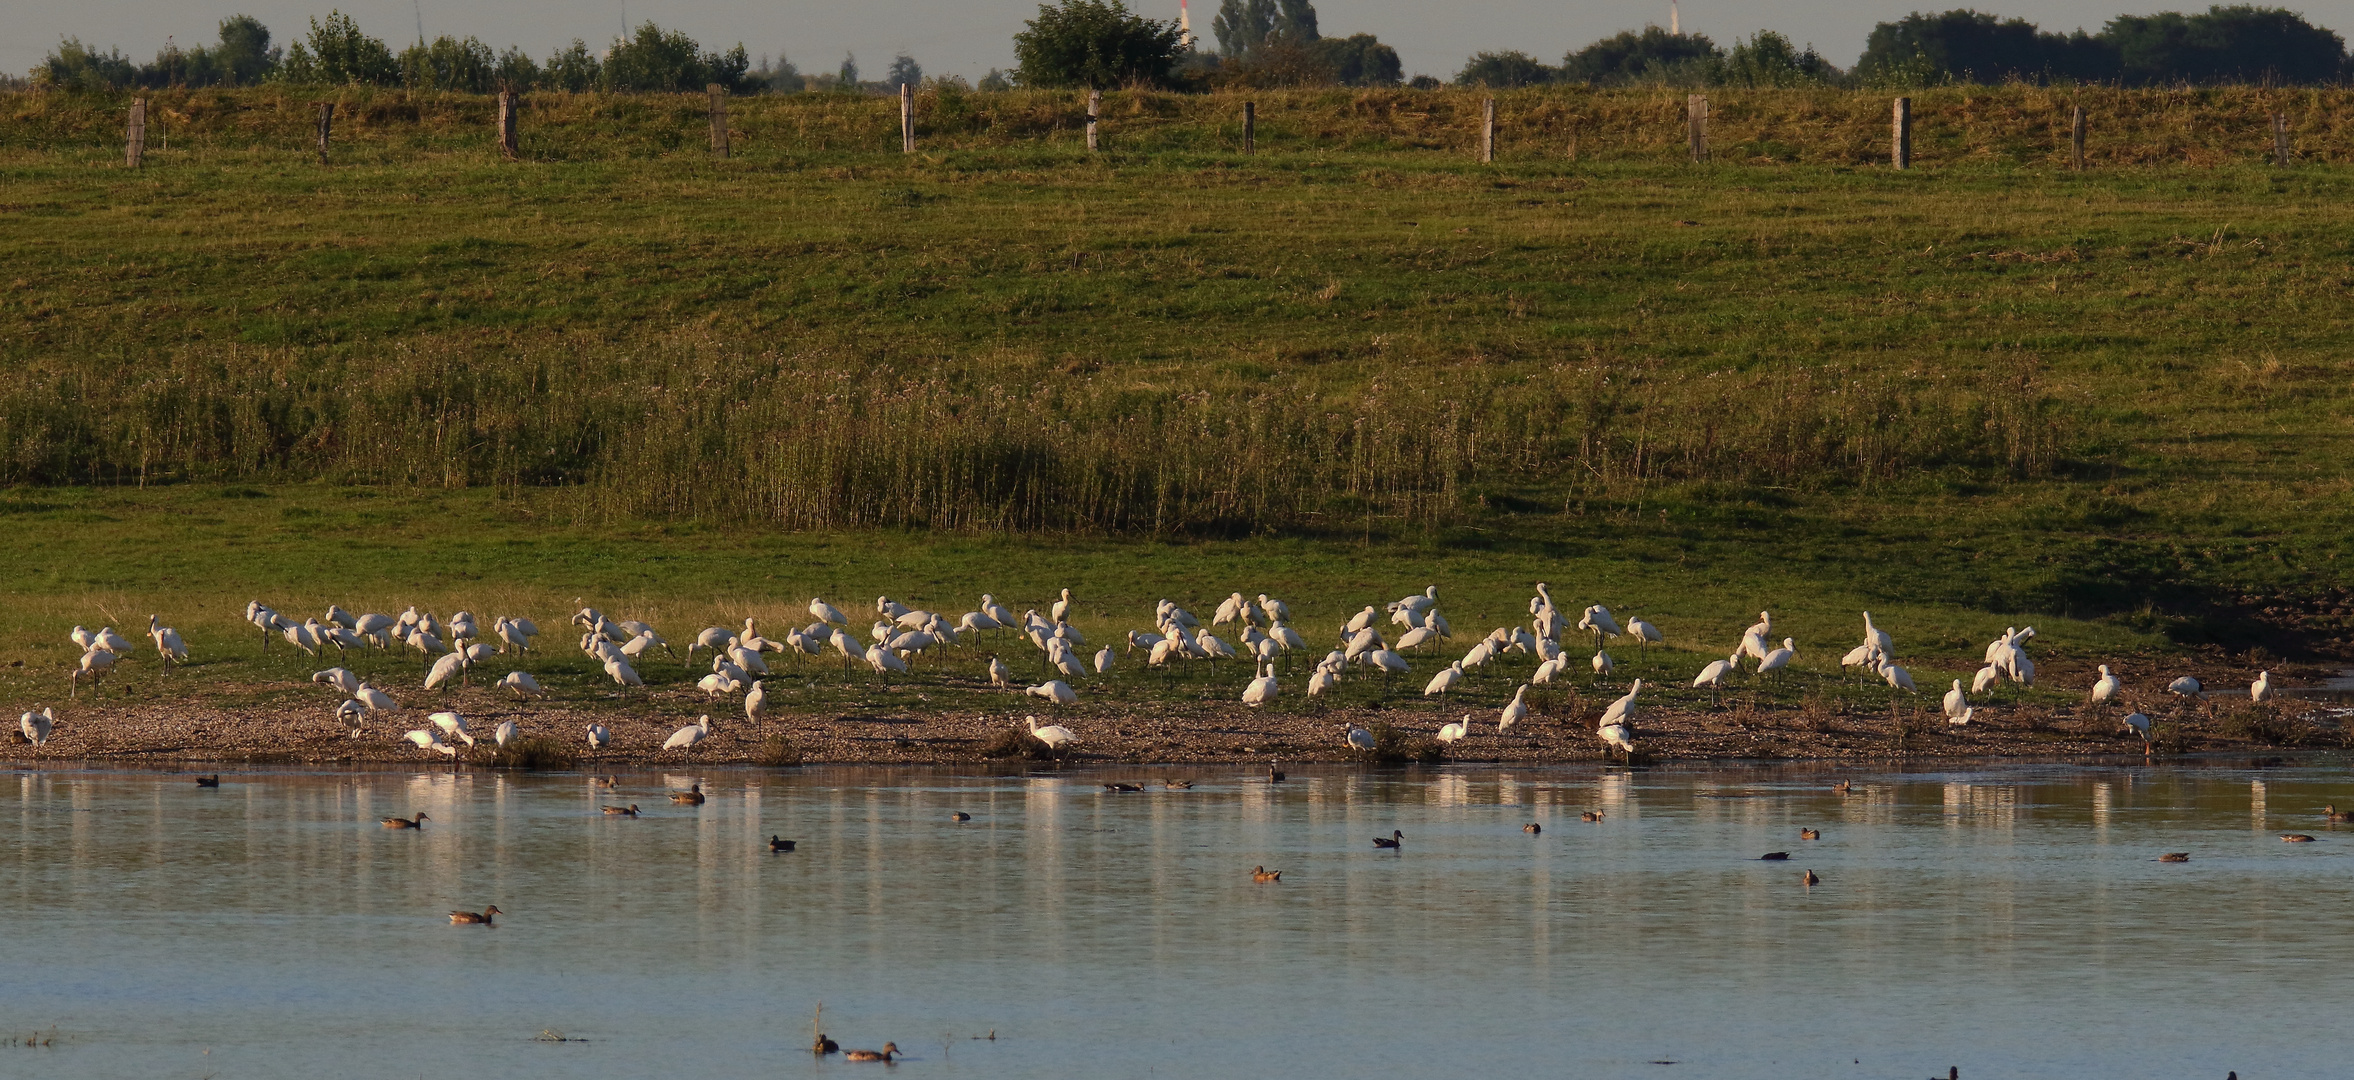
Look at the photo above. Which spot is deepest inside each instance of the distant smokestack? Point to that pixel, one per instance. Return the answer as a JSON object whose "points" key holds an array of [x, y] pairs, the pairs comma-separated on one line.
{"points": [[1184, 25], [1674, 25]]}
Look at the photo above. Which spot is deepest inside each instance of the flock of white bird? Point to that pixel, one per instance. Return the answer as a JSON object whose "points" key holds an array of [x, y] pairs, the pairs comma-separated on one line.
{"points": [[900, 636]]}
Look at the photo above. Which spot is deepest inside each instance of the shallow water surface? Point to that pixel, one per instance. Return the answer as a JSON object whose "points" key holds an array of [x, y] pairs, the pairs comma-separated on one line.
{"points": [[2011, 921]]}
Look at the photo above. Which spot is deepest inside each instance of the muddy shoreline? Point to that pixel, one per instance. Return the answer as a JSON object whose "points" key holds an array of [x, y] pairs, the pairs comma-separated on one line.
{"points": [[148, 734]]}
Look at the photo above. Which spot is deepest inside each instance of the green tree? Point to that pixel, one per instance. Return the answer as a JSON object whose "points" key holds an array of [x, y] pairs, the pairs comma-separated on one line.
{"points": [[847, 77], [1768, 59], [658, 60], [1503, 70], [1971, 46], [1360, 60], [1631, 55], [573, 68], [244, 56], [996, 80], [904, 72], [450, 64], [338, 52], [1242, 26], [1095, 43], [75, 66], [2237, 43]]}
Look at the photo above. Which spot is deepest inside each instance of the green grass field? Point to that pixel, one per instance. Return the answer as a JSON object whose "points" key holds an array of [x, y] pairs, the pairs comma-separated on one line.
{"points": [[1983, 392]]}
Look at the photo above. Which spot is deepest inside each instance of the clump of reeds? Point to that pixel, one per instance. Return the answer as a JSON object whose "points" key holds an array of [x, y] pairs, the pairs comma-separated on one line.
{"points": [[1016, 743], [776, 751], [534, 752]]}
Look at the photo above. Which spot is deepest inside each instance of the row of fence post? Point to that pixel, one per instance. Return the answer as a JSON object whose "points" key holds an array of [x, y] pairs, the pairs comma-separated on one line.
{"points": [[1900, 137]]}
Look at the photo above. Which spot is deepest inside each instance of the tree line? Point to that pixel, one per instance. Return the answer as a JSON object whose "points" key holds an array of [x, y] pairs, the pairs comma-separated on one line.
{"points": [[2224, 44], [1264, 44]]}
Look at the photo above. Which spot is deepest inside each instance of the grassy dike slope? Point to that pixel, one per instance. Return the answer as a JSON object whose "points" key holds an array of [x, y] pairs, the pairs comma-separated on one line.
{"points": [[1983, 392]]}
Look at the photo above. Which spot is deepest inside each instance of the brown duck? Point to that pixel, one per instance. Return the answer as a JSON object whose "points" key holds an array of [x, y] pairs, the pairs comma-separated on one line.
{"points": [[405, 823], [1810, 834], [692, 797], [2175, 856], [623, 811], [1262, 875], [1532, 828], [475, 918], [883, 1055], [1590, 815]]}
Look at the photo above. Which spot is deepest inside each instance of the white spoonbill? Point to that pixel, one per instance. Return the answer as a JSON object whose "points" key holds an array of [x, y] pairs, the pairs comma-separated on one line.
{"points": [[1515, 712], [37, 725], [1103, 660], [2106, 687], [999, 674], [451, 723], [1603, 665], [2184, 686], [428, 739], [2261, 689], [449, 666], [756, 705], [1062, 607], [622, 673], [1987, 676], [1643, 632], [523, 685], [1898, 678], [1778, 658], [1361, 739], [374, 700], [1055, 736], [599, 737], [167, 642], [94, 666], [1713, 676], [1262, 689], [503, 734], [829, 614], [1876, 637], [1445, 680], [1622, 711], [340, 678], [1457, 730], [686, 737], [1054, 690], [1956, 703]]}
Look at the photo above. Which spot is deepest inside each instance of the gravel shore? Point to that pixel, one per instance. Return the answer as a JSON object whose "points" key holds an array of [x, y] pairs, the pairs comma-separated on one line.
{"points": [[1185, 734]]}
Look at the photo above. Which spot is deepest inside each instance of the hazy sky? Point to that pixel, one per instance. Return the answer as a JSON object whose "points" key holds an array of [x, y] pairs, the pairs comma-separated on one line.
{"points": [[972, 36]]}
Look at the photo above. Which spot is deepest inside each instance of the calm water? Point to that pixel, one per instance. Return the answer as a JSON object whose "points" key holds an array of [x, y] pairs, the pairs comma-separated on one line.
{"points": [[2012, 921]]}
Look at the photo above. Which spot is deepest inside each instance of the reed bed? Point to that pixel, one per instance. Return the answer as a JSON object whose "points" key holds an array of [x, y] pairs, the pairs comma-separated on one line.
{"points": [[2014, 124], [793, 441]]}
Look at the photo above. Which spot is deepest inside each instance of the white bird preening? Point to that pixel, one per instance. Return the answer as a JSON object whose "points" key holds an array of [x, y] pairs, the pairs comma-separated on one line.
{"points": [[1514, 712], [599, 737], [1617, 728], [1957, 705], [829, 614], [429, 739], [1054, 690], [451, 723], [2261, 690], [1055, 736], [1361, 739], [687, 737], [37, 725], [1262, 689], [340, 678], [1603, 665], [2104, 689]]}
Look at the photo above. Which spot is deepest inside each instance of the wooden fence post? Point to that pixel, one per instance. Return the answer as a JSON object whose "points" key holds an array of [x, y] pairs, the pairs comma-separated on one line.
{"points": [[1900, 135], [135, 135], [508, 144], [2076, 139], [1696, 125], [1250, 127], [2280, 139], [716, 96], [906, 119], [1487, 131], [326, 127], [1094, 105]]}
